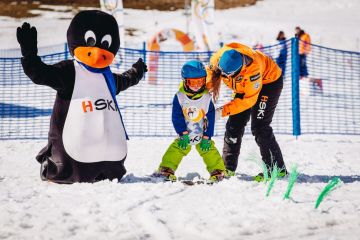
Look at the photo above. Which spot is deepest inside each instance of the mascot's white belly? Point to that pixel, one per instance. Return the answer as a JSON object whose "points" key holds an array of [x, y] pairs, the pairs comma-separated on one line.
{"points": [[93, 130]]}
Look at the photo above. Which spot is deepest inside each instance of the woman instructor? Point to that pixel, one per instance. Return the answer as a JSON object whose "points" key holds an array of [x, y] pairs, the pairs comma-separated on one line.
{"points": [[257, 83]]}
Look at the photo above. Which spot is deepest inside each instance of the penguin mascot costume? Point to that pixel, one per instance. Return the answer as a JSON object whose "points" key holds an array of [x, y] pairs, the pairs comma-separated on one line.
{"points": [[87, 137]]}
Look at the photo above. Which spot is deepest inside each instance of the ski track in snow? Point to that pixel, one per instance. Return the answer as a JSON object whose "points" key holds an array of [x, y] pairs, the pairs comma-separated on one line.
{"points": [[138, 209]]}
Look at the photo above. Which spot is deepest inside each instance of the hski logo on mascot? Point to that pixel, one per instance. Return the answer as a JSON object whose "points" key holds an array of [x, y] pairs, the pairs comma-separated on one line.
{"points": [[100, 104]]}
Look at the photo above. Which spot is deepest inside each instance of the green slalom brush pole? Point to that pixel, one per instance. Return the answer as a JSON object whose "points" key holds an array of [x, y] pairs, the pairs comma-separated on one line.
{"points": [[332, 184], [292, 179], [254, 158], [265, 171], [274, 176]]}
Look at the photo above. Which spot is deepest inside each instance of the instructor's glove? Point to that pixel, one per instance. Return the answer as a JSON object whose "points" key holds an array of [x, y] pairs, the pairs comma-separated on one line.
{"points": [[27, 38], [218, 113], [140, 67], [205, 144], [184, 141]]}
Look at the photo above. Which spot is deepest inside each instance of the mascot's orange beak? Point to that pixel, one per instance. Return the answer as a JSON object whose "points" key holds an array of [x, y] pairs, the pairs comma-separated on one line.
{"points": [[94, 57]]}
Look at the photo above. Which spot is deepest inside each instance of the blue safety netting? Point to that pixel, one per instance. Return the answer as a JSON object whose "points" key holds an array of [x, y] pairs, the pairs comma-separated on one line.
{"points": [[330, 95], [327, 97]]}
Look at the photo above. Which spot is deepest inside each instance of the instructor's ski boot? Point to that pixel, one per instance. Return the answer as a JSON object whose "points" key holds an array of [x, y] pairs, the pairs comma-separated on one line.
{"points": [[229, 173], [217, 176], [166, 173], [260, 177], [282, 173]]}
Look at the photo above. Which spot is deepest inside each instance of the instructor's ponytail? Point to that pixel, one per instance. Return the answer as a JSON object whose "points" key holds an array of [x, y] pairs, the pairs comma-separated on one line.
{"points": [[215, 83]]}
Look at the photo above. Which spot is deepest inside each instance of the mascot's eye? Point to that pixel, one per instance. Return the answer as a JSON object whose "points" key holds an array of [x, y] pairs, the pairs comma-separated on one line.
{"points": [[90, 38], [106, 41]]}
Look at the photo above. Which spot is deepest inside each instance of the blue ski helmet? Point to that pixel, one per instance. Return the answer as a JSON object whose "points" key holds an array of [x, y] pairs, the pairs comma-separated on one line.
{"points": [[231, 61], [193, 69]]}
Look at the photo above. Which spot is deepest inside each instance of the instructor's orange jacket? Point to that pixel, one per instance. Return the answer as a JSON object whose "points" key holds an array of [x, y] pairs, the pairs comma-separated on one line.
{"points": [[258, 69]]}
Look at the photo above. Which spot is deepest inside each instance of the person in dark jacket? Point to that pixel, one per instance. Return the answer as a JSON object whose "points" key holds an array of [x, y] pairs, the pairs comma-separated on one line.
{"points": [[281, 59]]}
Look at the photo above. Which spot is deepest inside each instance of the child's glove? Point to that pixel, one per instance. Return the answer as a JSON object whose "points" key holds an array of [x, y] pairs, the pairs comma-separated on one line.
{"points": [[184, 141], [205, 144], [140, 67], [27, 38]]}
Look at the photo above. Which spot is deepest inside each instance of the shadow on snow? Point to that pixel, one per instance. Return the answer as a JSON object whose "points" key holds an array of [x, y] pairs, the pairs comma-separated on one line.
{"points": [[131, 178], [304, 178]]}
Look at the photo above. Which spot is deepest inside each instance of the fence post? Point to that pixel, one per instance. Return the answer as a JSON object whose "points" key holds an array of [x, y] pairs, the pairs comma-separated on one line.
{"points": [[144, 51], [295, 93], [66, 50]]}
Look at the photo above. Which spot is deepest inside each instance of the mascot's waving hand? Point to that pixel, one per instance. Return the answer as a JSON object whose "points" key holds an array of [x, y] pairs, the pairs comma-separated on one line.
{"points": [[87, 137]]}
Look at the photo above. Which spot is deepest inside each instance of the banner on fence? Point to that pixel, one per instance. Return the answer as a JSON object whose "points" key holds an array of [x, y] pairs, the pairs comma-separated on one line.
{"points": [[115, 8], [202, 15]]}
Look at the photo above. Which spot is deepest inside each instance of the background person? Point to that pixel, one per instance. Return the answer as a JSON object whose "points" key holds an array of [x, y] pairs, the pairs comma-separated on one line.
{"points": [[304, 50], [281, 59]]}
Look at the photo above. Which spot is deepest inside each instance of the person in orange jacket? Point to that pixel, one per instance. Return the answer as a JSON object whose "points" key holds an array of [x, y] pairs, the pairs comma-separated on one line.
{"points": [[304, 50], [257, 83]]}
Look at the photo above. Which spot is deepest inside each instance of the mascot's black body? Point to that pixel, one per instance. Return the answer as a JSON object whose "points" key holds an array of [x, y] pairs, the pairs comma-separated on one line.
{"points": [[87, 138]]}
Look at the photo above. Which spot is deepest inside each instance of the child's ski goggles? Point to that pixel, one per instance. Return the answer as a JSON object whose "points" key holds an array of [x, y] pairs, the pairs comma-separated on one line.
{"points": [[195, 82]]}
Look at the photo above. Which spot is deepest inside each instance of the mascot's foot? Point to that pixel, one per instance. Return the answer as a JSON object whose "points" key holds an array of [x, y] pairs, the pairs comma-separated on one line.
{"points": [[79, 172]]}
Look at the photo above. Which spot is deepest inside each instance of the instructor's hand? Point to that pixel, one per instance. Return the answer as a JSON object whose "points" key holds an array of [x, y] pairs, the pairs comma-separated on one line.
{"points": [[27, 38], [218, 113]]}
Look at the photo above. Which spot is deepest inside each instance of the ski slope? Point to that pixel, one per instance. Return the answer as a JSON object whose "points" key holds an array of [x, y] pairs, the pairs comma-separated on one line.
{"points": [[233, 209]]}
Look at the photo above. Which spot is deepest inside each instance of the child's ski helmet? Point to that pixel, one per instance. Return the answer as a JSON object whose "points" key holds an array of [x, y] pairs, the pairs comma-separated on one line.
{"points": [[193, 71]]}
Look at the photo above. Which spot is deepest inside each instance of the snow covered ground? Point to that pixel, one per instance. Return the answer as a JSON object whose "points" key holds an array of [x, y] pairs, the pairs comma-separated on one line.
{"points": [[233, 209]]}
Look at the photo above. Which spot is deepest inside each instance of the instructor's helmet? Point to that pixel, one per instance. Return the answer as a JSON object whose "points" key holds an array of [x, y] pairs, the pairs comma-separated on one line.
{"points": [[193, 74], [230, 63]]}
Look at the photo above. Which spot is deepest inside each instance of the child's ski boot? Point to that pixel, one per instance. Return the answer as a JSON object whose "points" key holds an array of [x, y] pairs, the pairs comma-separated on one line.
{"points": [[166, 173], [216, 176]]}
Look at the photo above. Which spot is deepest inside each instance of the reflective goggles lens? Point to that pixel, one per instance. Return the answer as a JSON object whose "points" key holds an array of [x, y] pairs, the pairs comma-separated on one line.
{"points": [[195, 82], [233, 74]]}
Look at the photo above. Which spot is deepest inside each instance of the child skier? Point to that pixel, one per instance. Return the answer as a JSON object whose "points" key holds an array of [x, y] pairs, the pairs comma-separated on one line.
{"points": [[193, 117]]}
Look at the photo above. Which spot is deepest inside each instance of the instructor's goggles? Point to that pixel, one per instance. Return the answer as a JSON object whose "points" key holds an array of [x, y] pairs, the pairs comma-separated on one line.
{"points": [[230, 75], [195, 83]]}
